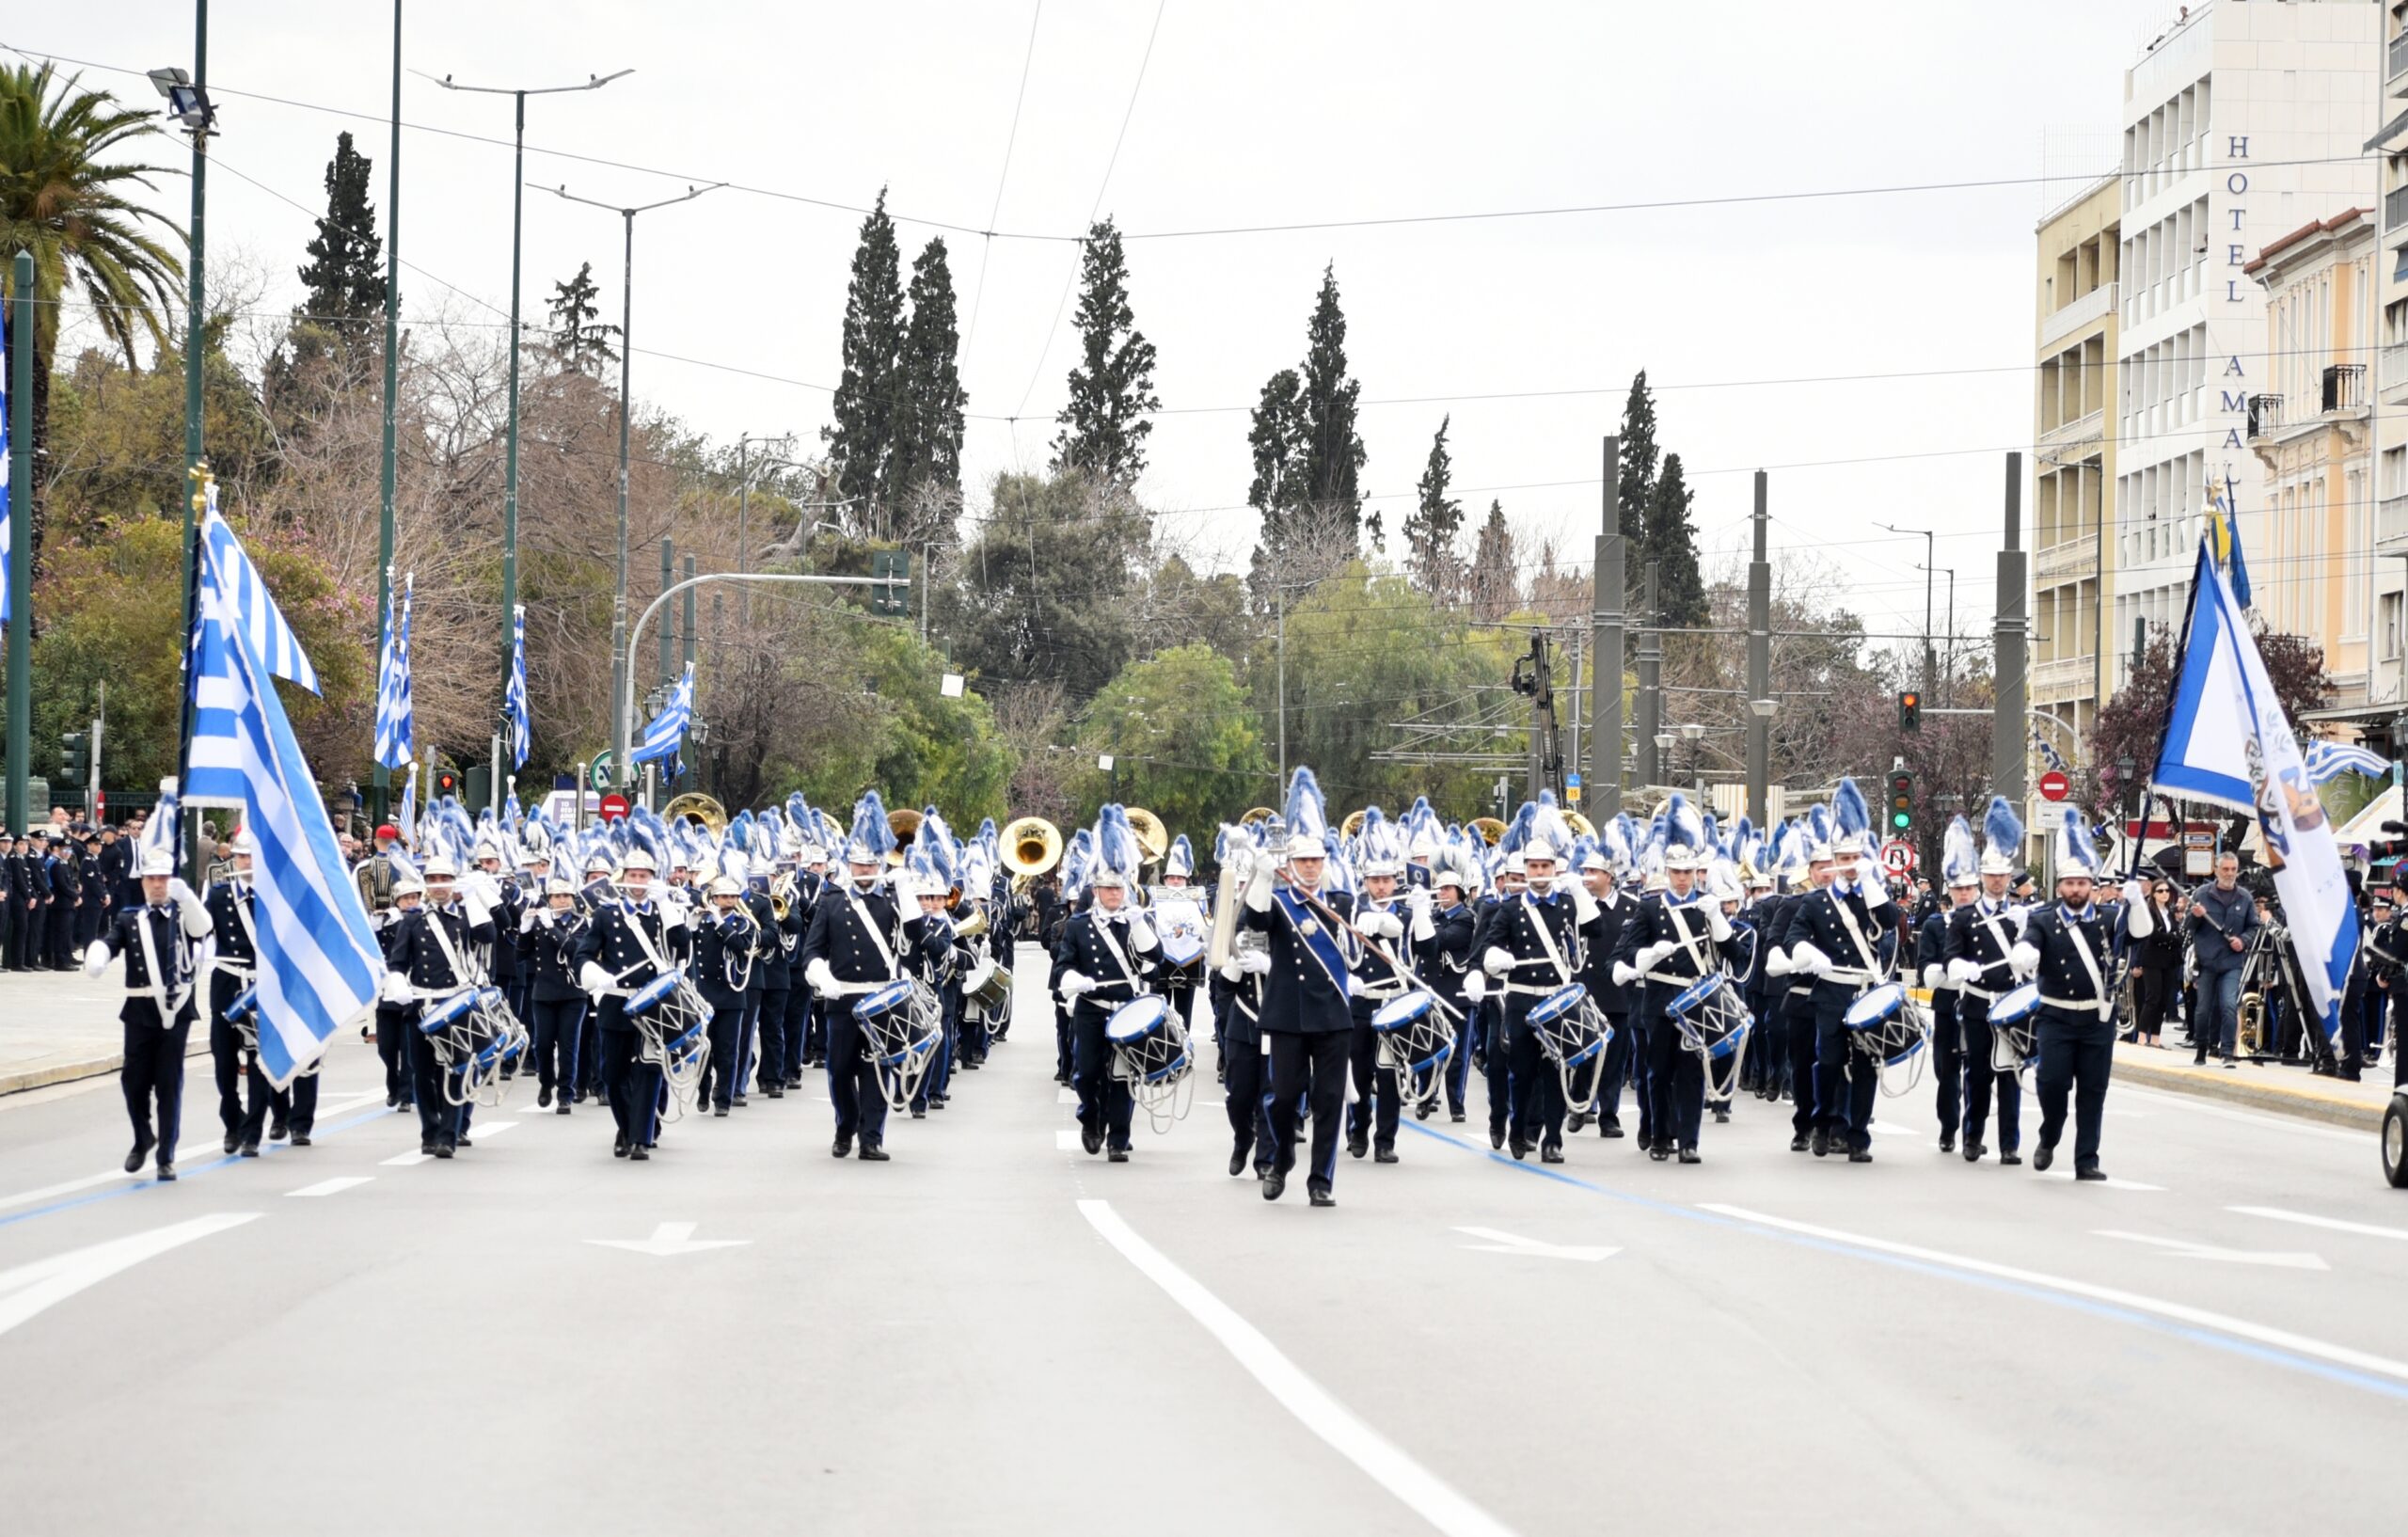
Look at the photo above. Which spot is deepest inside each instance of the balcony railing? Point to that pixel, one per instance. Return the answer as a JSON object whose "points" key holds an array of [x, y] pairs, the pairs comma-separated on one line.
{"points": [[2265, 415], [2395, 207], [2073, 316], [2397, 64], [2344, 387], [2067, 678], [2067, 558], [2391, 525]]}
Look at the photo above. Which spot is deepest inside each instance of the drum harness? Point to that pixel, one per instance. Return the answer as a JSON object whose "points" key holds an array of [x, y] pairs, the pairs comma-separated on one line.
{"points": [[2104, 1005], [1988, 921]]}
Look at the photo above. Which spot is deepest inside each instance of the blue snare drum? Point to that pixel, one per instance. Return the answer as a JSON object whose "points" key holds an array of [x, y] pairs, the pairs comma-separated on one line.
{"points": [[1148, 1046], [1414, 1037], [1876, 1006], [647, 998]]}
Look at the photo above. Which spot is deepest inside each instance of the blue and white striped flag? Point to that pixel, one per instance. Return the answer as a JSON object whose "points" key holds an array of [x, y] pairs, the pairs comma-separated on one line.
{"points": [[513, 703], [271, 637], [2226, 741], [668, 728], [319, 965], [405, 820], [2049, 754], [2329, 761], [394, 682], [160, 834]]}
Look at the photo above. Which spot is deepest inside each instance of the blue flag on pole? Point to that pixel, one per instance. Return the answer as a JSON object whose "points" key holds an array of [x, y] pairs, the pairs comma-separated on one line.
{"points": [[319, 966], [2228, 741], [394, 684], [514, 704]]}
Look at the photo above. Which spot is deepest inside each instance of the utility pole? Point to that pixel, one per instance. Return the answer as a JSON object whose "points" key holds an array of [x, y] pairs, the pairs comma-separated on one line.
{"points": [[20, 540], [1760, 701], [2009, 730], [1538, 681], [668, 631], [1651, 677], [196, 301], [687, 654], [392, 363], [1606, 618], [1279, 604]]}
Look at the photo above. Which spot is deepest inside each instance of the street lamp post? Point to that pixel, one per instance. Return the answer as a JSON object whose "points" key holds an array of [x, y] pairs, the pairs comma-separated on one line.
{"points": [[517, 227], [626, 409], [1927, 534]]}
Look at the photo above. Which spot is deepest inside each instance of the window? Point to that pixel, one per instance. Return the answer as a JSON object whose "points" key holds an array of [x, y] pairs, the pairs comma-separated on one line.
{"points": [[2390, 626]]}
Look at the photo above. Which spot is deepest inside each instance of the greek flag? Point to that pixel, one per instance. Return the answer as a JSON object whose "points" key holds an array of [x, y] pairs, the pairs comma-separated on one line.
{"points": [[319, 966], [2329, 761], [2049, 754], [668, 728], [394, 684], [2224, 536], [3, 469], [513, 703], [405, 820], [2226, 741], [271, 638]]}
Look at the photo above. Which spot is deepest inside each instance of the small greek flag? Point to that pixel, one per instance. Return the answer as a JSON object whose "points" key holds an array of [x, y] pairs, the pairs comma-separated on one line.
{"points": [[2049, 754], [513, 703], [2329, 761], [405, 820], [668, 729], [271, 637], [394, 682], [319, 965], [2224, 536]]}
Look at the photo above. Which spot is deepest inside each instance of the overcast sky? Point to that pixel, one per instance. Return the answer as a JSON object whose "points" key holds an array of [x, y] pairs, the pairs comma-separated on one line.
{"points": [[1253, 115]]}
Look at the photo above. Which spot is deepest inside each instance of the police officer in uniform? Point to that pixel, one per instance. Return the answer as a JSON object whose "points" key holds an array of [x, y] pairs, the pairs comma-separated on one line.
{"points": [[849, 950], [2070, 947], [429, 956], [157, 940], [66, 894], [1981, 937], [1305, 1011]]}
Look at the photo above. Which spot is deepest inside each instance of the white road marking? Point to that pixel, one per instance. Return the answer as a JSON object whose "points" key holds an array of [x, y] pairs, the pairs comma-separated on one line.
{"points": [[1066, 1096], [402, 1161], [669, 1238], [2281, 1259], [67, 1188], [1885, 1129], [1389, 1466], [330, 1187], [29, 1289], [2238, 1328], [1504, 1242], [490, 1128], [2365, 1229], [1068, 1142], [2111, 1181]]}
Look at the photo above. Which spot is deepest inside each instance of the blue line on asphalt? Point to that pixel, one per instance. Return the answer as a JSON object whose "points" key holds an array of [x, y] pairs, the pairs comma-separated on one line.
{"points": [[57, 1207], [2250, 1349]]}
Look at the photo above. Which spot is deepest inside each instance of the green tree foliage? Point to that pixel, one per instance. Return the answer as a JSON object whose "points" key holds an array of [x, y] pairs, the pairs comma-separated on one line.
{"points": [[1043, 595], [1308, 458], [1181, 608], [1495, 580], [1671, 544], [869, 395], [927, 452], [1435, 525], [65, 198], [1184, 738], [117, 439], [1104, 424], [916, 747], [1333, 457], [577, 341], [344, 285], [1635, 488]]}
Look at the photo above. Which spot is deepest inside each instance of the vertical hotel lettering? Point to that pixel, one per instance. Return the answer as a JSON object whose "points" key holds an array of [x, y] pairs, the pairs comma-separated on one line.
{"points": [[2236, 184]]}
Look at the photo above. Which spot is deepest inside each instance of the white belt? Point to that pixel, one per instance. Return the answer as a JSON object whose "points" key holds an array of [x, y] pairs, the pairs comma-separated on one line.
{"points": [[2100, 1007], [232, 968], [1534, 990], [1846, 974]]}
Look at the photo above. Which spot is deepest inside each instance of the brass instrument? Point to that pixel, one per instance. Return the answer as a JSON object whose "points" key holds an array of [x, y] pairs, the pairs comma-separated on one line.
{"points": [[1032, 846], [905, 825], [1153, 839], [781, 895], [2252, 1033], [1258, 814], [1237, 858], [1581, 825], [973, 925], [1489, 828], [1353, 826], [702, 808]]}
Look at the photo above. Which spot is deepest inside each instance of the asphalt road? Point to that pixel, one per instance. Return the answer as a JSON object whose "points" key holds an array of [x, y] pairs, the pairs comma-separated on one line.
{"points": [[994, 1334]]}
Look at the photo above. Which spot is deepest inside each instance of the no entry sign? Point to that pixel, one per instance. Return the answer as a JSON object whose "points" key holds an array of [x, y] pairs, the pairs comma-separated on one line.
{"points": [[2054, 785], [612, 807]]}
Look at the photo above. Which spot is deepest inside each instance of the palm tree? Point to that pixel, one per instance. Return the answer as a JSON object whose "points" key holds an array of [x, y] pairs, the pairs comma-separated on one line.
{"points": [[61, 202]]}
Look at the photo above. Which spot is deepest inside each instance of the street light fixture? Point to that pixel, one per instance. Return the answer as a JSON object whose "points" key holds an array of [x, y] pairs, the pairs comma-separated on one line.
{"points": [[187, 103], [1764, 709], [1927, 538]]}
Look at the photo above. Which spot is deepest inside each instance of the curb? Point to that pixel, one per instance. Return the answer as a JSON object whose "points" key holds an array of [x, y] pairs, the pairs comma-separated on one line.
{"points": [[2308, 1103], [76, 1071]]}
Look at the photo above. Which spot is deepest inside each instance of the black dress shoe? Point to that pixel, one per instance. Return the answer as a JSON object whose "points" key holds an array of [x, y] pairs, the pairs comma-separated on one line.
{"points": [[1118, 1155], [276, 1132], [1456, 1117], [1275, 1183], [300, 1139], [561, 1108], [443, 1150], [1421, 1111], [233, 1141], [543, 1099], [619, 1146], [1357, 1143], [1798, 1142], [249, 1149], [1237, 1161], [1660, 1150], [1859, 1155], [919, 1112], [718, 1110], [1973, 1152], [1518, 1147], [1820, 1143], [1091, 1139], [1550, 1155], [1320, 1193], [1688, 1155], [462, 1142], [639, 1153], [842, 1147], [2010, 1158], [141, 1151], [426, 1146], [1384, 1155], [872, 1154], [2042, 1156], [1612, 1128], [1495, 1137], [743, 1098], [1576, 1124], [166, 1172], [1948, 1143], [1723, 1115], [392, 1099], [2090, 1172]]}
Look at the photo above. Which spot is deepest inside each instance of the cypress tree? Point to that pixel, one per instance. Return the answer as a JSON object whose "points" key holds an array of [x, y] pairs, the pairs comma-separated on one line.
{"points": [[1432, 526], [869, 394], [928, 427], [1634, 492], [1277, 492], [1103, 423], [1672, 543], [1333, 451], [1494, 592], [344, 285]]}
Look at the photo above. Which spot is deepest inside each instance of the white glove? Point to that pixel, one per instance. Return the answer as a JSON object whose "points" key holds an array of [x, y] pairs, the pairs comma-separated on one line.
{"points": [[2138, 921], [1806, 957], [1075, 983], [1497, 961], [190, 910], [1257, 962], [1777, 962], [694, 919], [1932, 973], [96, 958], [1873, 882], [2023, 960], [1386, 926], [1584, 904], [1418, 900], [1964, 969], [479, 910], [529, 918], [1141, 934], [1258, 891], [1717, 927], [1650, 954], [820, 977], [395, 989], [1625, 973], [1475, 985]]}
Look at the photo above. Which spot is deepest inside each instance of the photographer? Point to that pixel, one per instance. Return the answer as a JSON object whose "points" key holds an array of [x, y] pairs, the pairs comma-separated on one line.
{"points": [[2222, 918]]}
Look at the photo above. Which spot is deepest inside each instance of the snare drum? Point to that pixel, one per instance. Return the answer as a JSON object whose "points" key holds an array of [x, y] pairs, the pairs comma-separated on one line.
{"points": [[1413, 1034], [894, 1032], [2015, 1023], [2016, 1007], [1148, 1046], [647, 998], [1568, 1032], [1886, 1026], [1876, 1006], [994, 994], [441, 1017], [1711, 1016]]}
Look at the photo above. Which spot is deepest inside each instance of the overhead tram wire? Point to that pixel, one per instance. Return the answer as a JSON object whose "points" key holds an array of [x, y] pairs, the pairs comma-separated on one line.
{"points": [[987, 236]]}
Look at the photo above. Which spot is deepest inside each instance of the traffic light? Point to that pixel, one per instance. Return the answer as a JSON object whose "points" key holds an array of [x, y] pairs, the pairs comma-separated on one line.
{"points": [[884, 601], [74, 762], [1902, 801], [447, 782], [1909, 710]]}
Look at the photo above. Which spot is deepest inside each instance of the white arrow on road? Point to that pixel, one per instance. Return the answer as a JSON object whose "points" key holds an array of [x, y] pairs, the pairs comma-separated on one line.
{"points": [[1502, 1243], [669, 1238], [28, 1289], [2185, 1248]]}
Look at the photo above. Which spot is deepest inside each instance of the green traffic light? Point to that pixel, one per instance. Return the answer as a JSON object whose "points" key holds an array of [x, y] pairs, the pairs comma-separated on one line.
{"points": [[1900, 820]]}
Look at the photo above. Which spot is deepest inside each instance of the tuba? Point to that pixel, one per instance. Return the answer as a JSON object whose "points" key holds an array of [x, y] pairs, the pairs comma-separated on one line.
{"points": [[1489, 828], [1153, 839], [1032, 846], [702, 808], [905, 825]]}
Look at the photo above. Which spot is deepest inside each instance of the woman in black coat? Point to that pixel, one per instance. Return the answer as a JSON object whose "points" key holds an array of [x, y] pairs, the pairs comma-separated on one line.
{"points": [[2157, 963]]}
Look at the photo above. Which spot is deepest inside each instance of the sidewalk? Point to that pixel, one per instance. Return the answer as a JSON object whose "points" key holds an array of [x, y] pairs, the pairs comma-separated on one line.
{"points": [[58, 1026], [2262, 1085]]}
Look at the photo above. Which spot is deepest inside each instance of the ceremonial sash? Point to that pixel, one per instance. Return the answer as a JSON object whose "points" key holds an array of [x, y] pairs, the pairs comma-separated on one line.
{"points": [[1317, 937]]}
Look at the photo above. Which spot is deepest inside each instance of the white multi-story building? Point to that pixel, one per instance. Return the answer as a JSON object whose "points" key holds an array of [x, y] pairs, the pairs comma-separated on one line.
{"points": [[2242, 120]]}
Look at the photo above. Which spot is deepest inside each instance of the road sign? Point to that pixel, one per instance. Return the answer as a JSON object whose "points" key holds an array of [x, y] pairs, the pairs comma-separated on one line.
{"points": [[1572, 782], [612, 807], [1572, 793], [2054, 785], [1898, 857], [599, 774]]}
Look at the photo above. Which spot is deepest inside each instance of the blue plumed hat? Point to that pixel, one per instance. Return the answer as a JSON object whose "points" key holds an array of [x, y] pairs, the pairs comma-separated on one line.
{"points": [[872, 840], [2001, 838]]}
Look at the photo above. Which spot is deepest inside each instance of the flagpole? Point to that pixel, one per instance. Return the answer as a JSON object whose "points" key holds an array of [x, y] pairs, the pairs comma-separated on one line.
{"points": [[2165, 727], [189, 854]]}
